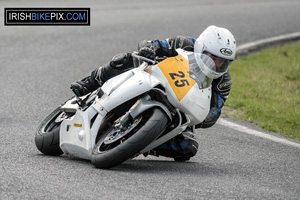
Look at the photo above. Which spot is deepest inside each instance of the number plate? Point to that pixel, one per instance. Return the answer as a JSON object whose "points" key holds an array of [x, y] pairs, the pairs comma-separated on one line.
{"points": [[176, 71]]}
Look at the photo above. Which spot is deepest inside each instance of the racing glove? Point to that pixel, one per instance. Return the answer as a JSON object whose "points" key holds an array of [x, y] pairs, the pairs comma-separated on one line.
{"points": [[147, 52]]}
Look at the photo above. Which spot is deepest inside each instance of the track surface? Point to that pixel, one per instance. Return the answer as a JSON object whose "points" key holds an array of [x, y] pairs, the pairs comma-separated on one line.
{"points": [[37, 65]]}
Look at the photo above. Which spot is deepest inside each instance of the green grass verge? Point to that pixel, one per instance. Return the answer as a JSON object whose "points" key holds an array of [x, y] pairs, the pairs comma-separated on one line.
{"points": [[266, 90]]}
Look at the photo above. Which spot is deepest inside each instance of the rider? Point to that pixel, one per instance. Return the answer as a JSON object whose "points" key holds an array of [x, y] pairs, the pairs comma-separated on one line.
{"points": [[216, 42]]}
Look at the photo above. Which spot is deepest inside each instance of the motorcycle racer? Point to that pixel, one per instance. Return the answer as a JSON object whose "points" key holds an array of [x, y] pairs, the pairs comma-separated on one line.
{"points": [[216, 42]]}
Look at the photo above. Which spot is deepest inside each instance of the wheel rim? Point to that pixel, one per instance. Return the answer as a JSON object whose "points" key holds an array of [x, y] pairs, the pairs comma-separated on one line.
{"points": [[117, 136]]}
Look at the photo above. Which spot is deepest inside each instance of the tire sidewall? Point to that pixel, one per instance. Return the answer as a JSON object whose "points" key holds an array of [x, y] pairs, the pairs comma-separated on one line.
{"points": [[48, 142]]}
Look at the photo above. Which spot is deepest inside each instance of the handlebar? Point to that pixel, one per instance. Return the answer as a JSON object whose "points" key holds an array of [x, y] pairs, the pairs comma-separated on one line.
{"points": [[137, 56], [155, 61]]}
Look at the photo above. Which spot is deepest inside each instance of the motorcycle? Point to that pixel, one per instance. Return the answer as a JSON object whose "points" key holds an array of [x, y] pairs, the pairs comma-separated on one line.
{"points": [[132, 113]]}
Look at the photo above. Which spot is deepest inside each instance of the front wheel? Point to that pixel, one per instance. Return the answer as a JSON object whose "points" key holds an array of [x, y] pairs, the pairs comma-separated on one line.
{"points": [[117, 145], [47, 134]]}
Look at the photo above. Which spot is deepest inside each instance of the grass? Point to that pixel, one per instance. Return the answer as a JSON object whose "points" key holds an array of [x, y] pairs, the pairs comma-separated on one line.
{"points": [[266, 90]]}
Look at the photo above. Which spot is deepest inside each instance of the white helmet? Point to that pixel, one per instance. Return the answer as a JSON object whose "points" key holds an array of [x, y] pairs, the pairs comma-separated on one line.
{"points": [[219, 42]]}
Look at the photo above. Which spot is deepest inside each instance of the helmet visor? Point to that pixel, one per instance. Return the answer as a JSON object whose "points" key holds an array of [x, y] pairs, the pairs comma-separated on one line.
{"points": [[222, 64], [222, 69]]}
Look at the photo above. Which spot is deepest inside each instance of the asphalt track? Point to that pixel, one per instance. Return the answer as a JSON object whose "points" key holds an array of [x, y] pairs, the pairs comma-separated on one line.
{"points": [[37, 65]]}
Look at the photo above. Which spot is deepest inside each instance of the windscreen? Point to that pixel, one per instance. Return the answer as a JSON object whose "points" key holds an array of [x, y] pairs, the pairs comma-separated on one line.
{"points": [[202, 69]]}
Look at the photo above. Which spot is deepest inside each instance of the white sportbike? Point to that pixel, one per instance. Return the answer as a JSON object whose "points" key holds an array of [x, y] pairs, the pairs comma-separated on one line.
{"points": [[132, 113]]}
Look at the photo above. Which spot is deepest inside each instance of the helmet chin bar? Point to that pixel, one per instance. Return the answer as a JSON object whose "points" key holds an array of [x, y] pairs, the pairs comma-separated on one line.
{"points": [[220, 71]]}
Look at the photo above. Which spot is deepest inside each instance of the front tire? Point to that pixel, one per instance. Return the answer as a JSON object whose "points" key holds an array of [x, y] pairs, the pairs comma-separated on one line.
{"points": [[47, 134], [113, 149]]}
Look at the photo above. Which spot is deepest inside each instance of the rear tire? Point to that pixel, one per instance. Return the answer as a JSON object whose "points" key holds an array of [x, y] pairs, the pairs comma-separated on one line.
{"points": [[108, 154], [47, 134]]}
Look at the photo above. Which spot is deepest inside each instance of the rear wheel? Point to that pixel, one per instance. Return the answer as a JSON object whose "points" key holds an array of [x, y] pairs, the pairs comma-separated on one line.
{"points": [[117, 146], [47, 134]]}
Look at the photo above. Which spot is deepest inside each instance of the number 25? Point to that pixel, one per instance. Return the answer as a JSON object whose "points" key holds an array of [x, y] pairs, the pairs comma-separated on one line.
{"points": [[180, 75]]}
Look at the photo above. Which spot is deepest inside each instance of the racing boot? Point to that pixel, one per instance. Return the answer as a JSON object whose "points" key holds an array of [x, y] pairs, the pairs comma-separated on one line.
{"points": [[119, 64], [181, 148], [86, 85]]}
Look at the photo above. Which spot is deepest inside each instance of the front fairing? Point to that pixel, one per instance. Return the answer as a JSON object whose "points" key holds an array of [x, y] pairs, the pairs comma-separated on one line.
{"points": [[183, 91]]}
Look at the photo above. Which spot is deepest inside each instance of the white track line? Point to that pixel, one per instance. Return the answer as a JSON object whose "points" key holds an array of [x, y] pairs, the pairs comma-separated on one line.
{"points": [[249, 131]]}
